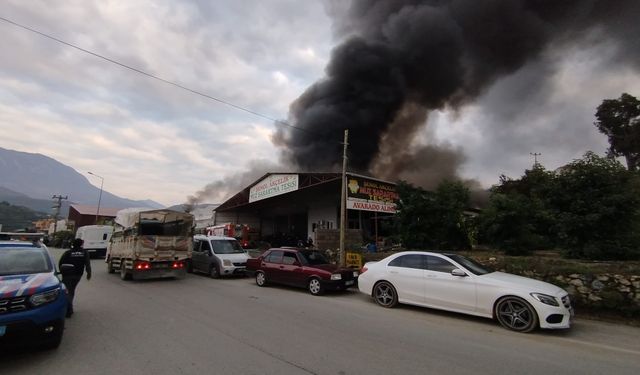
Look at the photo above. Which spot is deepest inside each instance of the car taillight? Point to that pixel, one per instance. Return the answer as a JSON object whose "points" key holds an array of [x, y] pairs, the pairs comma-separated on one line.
{"points": [[143, 266], [363, 270], [177, 265]]}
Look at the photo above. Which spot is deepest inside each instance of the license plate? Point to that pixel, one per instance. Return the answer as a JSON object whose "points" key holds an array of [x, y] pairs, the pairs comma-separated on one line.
{"points": [[161, 265], [350, 282], [3, 329]]}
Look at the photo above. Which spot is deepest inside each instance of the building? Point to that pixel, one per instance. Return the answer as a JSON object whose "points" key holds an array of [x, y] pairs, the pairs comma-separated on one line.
{"points": [[287, 208], [81, 215]]}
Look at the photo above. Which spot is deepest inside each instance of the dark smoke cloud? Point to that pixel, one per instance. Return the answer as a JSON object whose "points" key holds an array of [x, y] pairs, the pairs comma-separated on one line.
{"points": [[401, 59]]}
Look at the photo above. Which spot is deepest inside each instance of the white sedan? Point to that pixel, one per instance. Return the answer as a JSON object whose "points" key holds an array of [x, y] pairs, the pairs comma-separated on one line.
{"points": [[455, 283]]}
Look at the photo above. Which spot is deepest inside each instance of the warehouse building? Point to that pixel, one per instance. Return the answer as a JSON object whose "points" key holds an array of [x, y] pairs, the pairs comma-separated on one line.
{"points": [[285, 209]]}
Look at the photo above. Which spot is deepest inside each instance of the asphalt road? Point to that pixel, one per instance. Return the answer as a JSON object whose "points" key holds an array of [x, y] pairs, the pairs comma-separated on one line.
{"points": [[198, 325]]}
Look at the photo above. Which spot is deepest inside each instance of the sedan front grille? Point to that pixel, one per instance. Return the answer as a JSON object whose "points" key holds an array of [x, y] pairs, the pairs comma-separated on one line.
{"points": [[14, 304], [237, 264]]}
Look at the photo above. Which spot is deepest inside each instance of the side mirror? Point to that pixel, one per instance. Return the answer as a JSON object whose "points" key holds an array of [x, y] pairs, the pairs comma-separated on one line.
{"points": [[458, 272], [296, 263]]}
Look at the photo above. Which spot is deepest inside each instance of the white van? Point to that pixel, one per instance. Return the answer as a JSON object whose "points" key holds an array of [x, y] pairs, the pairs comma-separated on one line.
{"points": [[96, 238], [218, 256]]}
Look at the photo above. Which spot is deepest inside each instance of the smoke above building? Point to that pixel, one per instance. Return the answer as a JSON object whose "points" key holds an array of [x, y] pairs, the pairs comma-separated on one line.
{"points": [[399, 60]]}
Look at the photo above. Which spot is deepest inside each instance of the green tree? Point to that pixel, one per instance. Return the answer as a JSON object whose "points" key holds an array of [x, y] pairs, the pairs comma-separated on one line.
{"points": [[597, 209], [519, 218], [619, 120], [434, 219]]}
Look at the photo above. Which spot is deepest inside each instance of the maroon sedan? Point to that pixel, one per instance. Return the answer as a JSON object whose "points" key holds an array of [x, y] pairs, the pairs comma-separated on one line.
{"points": [[302, 268]]}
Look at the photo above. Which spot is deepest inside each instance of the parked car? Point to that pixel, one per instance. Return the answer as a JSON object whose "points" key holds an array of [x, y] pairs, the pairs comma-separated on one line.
{"points": [[301, 268], [218, 256], [455, 283], [33, 301]]}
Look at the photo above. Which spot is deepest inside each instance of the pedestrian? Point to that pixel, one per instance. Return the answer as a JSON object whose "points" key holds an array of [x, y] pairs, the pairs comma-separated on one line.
{"points": [[74, 260]]}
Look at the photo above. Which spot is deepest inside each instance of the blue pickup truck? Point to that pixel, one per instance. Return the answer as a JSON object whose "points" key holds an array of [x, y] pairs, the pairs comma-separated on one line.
{"points": [[33, 301]]}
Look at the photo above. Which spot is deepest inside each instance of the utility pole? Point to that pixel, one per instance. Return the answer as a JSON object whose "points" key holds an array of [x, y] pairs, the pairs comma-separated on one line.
{"points": [[535, 157], [100, 196], [56, 210], [343, 200]]}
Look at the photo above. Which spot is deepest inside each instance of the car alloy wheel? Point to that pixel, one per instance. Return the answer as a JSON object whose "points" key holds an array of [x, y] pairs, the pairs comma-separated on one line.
{"points": [[261, 279], [516, 314], [385, 294], [315, 287]]}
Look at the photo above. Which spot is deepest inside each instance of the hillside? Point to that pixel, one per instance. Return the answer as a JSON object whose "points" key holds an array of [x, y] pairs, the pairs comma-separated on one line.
{"points": [[17, 217], [39, 177]]}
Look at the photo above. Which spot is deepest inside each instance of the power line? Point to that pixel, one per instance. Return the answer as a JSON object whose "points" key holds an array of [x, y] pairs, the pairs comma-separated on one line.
{"points": [[154, 76]]}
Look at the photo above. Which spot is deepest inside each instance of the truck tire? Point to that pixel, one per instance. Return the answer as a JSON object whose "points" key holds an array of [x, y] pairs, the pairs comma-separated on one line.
{"points": [[110, 266], [124, 275]]}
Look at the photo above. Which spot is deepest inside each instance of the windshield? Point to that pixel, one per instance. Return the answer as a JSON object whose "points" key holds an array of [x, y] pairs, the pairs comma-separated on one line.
{"points": [[470, 264], [226, 247], [312, 258], [21, 260]]}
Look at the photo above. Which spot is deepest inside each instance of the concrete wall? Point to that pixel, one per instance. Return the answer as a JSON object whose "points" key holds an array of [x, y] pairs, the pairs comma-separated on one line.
{"points": [[318, 213]]}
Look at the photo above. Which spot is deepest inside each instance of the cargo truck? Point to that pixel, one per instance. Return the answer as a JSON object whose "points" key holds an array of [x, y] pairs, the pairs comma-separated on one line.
{"points": [[150, 244]]}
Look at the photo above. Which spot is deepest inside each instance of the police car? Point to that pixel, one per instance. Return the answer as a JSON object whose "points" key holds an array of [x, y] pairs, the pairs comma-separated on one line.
{"points": [[33, 301]]}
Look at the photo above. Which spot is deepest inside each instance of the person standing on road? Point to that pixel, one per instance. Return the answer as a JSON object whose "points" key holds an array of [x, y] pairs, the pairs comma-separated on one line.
{"points": [[75, 260]]}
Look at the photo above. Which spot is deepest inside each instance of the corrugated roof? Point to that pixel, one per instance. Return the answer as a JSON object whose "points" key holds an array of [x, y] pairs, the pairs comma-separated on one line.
{"points": [[91, 210]]}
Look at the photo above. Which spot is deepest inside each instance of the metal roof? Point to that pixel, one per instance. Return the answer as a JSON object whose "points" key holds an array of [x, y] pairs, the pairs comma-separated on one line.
{"points": [[91, 210], [306, 180]]}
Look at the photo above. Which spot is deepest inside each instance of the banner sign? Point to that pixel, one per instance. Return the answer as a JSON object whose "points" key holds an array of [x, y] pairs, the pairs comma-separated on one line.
{"points": [[370, 195], [273, 185], [353, 260]]}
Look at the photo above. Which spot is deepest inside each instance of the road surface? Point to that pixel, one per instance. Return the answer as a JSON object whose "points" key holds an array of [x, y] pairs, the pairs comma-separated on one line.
{"points": [[198, 325]]}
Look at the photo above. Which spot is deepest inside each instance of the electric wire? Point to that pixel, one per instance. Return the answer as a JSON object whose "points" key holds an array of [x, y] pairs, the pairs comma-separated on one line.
{"points": [[238, 107]]}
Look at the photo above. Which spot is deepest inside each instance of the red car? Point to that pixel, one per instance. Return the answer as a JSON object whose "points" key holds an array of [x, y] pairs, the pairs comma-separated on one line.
{"points": [[302, 268]]}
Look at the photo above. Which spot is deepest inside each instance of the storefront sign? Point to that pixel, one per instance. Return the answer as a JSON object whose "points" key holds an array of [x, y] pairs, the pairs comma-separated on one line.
{"points": [[354, 260], [273, 185], [369, 195]]}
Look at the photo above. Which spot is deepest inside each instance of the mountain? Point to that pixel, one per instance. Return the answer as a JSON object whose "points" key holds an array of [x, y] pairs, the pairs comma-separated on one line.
{"points": [[40, 177]]}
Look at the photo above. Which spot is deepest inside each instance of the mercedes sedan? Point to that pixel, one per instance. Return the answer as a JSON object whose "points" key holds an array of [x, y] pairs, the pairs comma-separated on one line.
{"points": [[454, 283]]}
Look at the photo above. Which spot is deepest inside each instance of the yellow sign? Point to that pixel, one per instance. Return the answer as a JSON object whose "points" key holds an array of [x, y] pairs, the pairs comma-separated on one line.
{"points": [[354, 260]]}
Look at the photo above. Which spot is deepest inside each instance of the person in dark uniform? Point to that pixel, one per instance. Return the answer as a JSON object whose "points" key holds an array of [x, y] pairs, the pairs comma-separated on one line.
{"points": [[78, 258]]}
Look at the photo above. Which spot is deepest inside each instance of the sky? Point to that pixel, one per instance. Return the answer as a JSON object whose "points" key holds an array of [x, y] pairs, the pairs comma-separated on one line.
{"points": [[151, 140]]}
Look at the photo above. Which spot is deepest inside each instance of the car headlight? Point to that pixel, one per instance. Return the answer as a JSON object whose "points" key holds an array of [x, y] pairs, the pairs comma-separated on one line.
{"points": [[227, 263], [355, 273], [545, 298], [336, 276], [44, 297]]}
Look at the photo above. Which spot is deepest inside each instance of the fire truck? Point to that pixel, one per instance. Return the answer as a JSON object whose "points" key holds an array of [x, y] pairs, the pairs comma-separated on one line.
{"points": [[238, 231]]}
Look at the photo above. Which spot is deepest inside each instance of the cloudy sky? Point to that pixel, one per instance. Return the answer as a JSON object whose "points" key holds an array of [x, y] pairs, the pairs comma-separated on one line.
{"points": [[151, 140]]}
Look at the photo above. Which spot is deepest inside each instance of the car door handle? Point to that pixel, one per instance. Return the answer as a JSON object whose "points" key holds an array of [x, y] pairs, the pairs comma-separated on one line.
{"points": [[393, 271], [281, 267]]}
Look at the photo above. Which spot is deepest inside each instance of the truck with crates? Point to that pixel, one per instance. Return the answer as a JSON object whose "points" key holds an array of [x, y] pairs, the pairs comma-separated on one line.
{"points": [[150, 244]]}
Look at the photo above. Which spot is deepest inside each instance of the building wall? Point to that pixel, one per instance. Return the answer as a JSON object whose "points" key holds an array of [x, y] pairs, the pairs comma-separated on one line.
{"points": [[322, 215]]}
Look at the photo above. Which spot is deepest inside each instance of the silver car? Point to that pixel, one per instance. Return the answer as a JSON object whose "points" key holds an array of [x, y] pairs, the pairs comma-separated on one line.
{"points": [[218, 256]]}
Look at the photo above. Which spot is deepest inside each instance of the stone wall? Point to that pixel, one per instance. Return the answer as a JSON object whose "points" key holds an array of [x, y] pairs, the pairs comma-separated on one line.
{"points": [[603, 292]]}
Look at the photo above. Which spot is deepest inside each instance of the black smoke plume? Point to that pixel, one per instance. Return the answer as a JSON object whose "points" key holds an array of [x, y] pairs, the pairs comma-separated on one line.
{"points": [[399, 60]]}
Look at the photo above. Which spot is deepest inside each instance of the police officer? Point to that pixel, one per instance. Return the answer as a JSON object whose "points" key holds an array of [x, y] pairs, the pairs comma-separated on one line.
{"points": [[78, 258]]}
